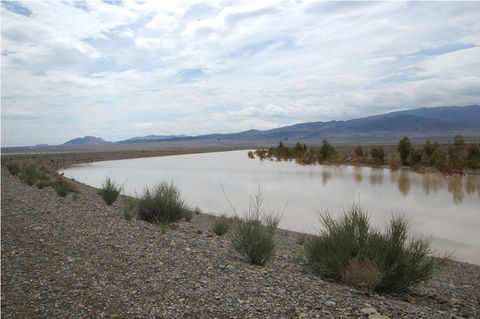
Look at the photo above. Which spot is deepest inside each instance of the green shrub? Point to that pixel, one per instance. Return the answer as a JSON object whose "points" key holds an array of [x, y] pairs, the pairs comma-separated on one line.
{"points": [[28, 174], [221, 225], [404, 148], [61, 190], [254, 236], [394, 165], [13, 167], [359, 151], [109, 191], [162, 204], [378, 154], [473, 157], [415, 157], [43, 179], [327, 151], [439, 159], [390, 262], [129, 209], [188, 215]]}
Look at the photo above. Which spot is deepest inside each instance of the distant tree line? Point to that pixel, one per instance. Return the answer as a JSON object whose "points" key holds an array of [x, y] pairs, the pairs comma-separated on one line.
{"points": [[453, 161]]}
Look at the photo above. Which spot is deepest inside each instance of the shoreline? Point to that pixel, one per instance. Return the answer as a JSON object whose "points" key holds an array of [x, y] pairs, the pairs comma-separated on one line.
{"points": [[77, 257]]}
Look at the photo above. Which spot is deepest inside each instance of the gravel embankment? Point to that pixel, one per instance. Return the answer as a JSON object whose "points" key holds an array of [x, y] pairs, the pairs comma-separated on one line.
{"points": [[75, 257]]}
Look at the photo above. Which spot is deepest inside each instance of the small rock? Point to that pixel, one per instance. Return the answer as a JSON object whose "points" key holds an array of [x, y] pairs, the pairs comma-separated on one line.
{"points": [[377, 316], [368, 311], [330, 303]]}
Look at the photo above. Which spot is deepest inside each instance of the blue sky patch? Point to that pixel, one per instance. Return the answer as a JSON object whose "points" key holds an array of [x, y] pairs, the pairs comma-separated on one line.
{"points": [[190, 75], [17, 8]]}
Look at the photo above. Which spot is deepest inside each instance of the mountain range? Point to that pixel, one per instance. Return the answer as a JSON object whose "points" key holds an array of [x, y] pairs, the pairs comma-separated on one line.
{"points": [[438, 123]]}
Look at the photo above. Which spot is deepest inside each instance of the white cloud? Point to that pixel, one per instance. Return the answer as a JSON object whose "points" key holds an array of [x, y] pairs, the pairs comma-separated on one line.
{"points": [[162, 21], [454, 64], [185, 67]]}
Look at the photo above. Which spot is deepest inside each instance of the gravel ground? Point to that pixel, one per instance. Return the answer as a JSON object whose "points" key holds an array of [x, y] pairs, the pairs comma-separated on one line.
{"points": [[76, 257]]}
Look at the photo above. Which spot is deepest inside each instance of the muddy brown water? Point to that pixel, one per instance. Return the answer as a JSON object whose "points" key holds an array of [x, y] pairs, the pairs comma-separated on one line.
{"points": [[446, 208]]}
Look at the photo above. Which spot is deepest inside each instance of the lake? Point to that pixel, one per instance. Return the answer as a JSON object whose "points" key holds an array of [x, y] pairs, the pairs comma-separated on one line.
{"points": [[447, 208]]}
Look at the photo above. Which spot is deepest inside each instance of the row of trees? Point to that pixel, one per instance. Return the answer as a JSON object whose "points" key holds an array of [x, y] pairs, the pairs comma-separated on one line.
{"points": [[325, 154], [452, 159]]}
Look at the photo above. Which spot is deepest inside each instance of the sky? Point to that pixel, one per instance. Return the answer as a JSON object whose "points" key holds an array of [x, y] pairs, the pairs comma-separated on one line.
{"points": [[119, 69]]}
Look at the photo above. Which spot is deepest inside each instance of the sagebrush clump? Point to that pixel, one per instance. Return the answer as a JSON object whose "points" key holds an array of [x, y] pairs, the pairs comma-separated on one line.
{"points": [[221, 225], [161, 204], [110, 191], [390, 261], [254, 235], [13, 167], [129, 209]]}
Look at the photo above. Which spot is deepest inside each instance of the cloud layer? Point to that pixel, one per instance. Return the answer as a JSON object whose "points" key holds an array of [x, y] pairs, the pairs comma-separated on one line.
{"points": [[118, 69]]}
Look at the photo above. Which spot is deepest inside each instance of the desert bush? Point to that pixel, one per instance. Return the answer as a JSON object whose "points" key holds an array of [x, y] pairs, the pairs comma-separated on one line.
{"points": [[439, 159], [362, 272], [188, 215], [43, 179], [261, 153], [61, 190], [161, 204], [359, 151], [394, 165], [221, 225], [13, 167], [473, 157], [254, 235], [415, 157], [327, 151], [110, 191], [378, 154], [429, 149], [28, 174], [59, 180], [403, 262], [129, 209], [404, 148]]}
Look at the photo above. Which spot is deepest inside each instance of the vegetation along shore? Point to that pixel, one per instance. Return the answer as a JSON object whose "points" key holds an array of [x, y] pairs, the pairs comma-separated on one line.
{"points": [[73, 251], [454, 158]]}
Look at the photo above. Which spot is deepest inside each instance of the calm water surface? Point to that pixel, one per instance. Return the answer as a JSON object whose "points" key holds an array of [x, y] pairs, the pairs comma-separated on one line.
{"points": [[445, 208]]}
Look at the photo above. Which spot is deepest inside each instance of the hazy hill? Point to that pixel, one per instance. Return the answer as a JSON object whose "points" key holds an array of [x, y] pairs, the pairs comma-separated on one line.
{"points": [[87, 140]]}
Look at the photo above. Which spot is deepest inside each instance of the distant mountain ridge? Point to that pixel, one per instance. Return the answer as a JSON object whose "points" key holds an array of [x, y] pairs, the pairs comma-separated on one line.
{"points": [[87, 140], [423, 123], [155, 137]]}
